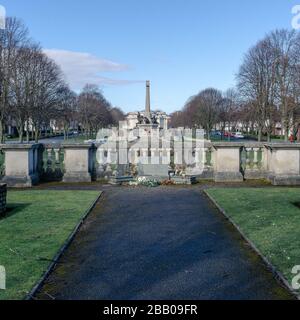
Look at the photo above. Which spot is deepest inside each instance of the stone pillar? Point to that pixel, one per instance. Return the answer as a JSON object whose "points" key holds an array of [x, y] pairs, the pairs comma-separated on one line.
{"points": [[248, 159], [56, 154], [145, 156], [109, 158], [148, 106], [284, 164], [166, 124], [100, 156], [136, 156], [204, 156], [112, 156], [167, 158], [254, 168], [100, 162], [155, 156], [200, 157], [255, 160], [78, 163], [227, 162], [21, 165]]}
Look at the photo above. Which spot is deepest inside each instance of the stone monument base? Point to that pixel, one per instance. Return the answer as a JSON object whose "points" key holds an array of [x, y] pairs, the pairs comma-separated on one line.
{"points": [[117, 181], [285, 180], [153, 170], [77, 177], [21, 181], [229, 177], [184, 180]]}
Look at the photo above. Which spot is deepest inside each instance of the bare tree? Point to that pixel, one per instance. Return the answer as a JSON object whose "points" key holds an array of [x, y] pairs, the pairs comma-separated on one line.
{"points": [[257, 83], [21, 88], [14, 36], [286, 47], [94, 110], [46, 84], [117, 115], [228, 110], [178, 119], [65, 109], [205, 108]]}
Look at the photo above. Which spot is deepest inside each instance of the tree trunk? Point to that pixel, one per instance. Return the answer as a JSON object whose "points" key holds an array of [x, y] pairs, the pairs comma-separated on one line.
{"points": [[2, 140], [259, 138], [286, 133], [36, 134], [27, 132], [208, 133], [21, 134]]}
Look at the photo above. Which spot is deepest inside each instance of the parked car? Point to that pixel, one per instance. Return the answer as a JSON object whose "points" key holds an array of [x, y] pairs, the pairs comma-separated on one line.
{"points": [[216, 133], [228, 135], [238, 135]]}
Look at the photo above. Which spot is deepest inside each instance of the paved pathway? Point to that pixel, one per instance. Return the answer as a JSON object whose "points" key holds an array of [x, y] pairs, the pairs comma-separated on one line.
{"points": [[160, 243]]}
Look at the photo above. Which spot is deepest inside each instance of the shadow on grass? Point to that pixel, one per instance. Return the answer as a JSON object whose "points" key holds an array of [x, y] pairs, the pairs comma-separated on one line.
{"points": [[13, 209]]}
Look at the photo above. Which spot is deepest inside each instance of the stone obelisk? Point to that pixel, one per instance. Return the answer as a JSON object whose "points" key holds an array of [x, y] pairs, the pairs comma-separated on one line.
{"points": [[148, 106]]}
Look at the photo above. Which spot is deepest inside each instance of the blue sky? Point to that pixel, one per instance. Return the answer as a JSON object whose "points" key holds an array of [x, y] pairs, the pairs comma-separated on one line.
{"points": [[182, 46]]}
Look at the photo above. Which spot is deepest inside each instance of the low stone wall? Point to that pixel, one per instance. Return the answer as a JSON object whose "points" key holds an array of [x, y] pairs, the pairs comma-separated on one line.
{"points": [[3, 195], [26, 165]]}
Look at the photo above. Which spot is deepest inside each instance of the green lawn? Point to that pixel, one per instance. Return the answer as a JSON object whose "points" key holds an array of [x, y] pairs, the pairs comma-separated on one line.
{"points": [[270, 218], [37, 225]]}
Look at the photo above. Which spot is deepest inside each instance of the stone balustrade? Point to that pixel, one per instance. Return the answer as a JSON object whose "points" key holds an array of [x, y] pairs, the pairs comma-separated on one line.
{"points": [[52, 166], [3, 194], [26, 165], [252, 161]]}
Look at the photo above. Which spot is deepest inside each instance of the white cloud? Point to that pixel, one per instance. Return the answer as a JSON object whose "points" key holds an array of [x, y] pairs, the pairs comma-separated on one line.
{"points": [[81, 68], [2, 17]]}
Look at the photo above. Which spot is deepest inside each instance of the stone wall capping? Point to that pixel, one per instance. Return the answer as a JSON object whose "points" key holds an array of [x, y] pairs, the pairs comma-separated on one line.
{"points": [[26, 164], [15, 146], [288, 146], [78, 145], [217, 145]]}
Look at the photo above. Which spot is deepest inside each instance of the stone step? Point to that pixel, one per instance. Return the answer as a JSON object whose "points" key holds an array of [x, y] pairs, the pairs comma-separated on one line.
{"points": [[120, 180], [184, 180]]}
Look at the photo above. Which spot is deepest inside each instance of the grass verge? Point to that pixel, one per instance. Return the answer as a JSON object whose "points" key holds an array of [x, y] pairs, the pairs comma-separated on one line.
{"points": [[270, 218], [37, 224]]}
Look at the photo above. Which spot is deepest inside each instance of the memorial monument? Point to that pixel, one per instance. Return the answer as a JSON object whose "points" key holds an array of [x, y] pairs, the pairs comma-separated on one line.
{"points": [[147, 119]]}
